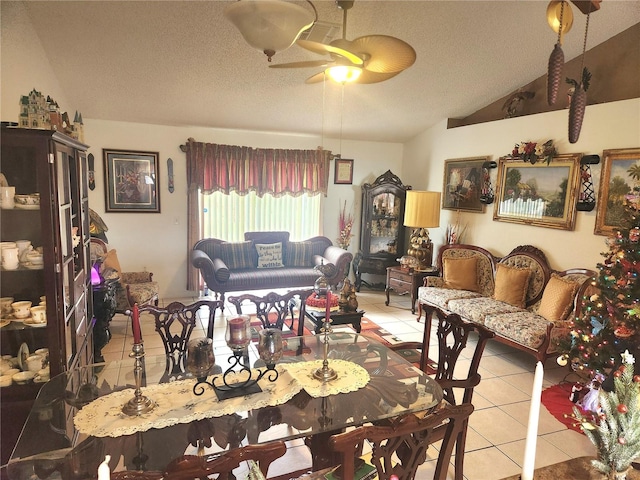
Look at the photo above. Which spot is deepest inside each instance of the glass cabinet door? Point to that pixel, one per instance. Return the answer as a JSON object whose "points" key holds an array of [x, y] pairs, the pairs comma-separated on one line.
{"points": [[385, 224]]}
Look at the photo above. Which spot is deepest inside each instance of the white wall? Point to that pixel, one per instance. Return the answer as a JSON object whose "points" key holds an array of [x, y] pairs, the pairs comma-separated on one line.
{"points": [[606, 126]]}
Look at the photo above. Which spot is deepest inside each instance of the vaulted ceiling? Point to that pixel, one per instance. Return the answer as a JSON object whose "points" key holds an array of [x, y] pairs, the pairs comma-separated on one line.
{"points": [[182, 63]]}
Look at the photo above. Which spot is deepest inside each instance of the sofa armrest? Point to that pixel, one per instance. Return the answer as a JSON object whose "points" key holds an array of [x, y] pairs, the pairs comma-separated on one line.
{"points": [[433, 281], [338, 257], [135, 277]]}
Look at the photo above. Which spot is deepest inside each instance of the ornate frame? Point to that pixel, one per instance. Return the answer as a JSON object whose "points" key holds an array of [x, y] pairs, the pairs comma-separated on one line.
{"points": [[131, 181], [616, 165], [561, 178]]}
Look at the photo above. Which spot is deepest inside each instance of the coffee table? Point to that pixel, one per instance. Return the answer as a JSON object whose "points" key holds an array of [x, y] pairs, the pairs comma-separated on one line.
{"points": [[337, 318]]}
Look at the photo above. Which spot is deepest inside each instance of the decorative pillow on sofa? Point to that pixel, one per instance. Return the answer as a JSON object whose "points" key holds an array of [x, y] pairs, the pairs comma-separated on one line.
{"points": [[557, 298], [299, 254], [269, 255], [511, 285], [237, 255], [110, 262], [461, 273]]}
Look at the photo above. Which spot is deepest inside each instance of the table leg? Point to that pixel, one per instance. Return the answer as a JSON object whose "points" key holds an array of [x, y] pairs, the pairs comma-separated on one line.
{"points": [[386, 291], [321, 456]]}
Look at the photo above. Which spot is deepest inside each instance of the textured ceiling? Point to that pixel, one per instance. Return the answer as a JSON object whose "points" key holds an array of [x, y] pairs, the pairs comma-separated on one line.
{"points": [[182, 63]]}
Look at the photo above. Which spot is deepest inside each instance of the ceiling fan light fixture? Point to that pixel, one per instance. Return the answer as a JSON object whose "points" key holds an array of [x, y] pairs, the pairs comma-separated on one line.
{"points": [[344, 73], [269, 25]]}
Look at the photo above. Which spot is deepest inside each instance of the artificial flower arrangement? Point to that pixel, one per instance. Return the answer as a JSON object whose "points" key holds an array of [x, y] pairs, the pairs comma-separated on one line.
{"points": [[532, 152], [345, 224]]}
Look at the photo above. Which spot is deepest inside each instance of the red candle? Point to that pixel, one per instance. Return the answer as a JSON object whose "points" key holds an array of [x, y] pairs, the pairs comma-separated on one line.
{"points": [[135, 324], [237, 331], [327, 314]]}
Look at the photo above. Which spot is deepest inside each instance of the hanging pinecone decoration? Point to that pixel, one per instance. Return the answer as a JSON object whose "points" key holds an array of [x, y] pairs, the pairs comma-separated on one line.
{"points": [[578, 105], [554, 74]]}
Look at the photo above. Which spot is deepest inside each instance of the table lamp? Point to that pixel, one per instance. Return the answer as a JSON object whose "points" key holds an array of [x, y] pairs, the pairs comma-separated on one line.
{"points": [[422, 211]]}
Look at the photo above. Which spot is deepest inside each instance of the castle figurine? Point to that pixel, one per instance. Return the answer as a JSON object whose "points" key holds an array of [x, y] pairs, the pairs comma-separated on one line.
{"points": [[42, 113]]}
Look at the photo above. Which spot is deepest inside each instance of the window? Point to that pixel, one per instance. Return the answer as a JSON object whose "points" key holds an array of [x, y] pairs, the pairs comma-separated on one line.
{"points": [[227, 217]]}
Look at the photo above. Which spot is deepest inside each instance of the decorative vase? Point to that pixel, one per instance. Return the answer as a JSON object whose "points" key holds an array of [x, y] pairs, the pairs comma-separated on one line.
{"points": [[200, 357]]}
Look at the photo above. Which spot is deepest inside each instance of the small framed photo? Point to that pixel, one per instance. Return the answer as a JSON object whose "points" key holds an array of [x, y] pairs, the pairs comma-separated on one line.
{"points": [[131, 181], [344, 171]]}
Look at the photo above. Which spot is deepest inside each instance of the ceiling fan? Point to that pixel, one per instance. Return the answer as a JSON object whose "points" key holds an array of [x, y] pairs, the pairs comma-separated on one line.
{"points": [[375, 57]]}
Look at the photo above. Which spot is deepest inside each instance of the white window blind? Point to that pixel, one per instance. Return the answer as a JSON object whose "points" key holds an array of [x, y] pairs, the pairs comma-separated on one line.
{"points": [[227, 217]]}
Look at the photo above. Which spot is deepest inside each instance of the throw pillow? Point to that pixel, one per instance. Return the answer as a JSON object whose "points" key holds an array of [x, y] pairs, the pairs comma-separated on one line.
{"points": [[237, 255], [461, 273], [269, 255], [557, 298], [511, 285], [220, 270], [110, 261], [299, 254]]}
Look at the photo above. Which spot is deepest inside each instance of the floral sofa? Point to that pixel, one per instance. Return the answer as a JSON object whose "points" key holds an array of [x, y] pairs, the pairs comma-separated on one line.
{"points": [[518, 297], [267, 260]]}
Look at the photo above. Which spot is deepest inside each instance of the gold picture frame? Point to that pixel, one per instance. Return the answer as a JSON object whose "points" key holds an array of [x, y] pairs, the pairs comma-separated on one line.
{"points": [[615, 183], [541, 195]]}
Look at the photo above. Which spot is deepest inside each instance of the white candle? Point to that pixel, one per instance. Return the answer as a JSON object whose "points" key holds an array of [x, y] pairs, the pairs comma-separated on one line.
{"points": [[532, 428], [103, 469]]}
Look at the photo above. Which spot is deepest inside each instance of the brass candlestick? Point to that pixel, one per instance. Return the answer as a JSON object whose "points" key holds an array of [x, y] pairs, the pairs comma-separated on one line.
{"points": [[139, 404], [325, 373]]}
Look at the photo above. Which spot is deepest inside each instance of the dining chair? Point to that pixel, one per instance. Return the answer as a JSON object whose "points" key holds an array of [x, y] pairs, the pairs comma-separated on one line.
{"points": [[399, 446], [274, 309], [175, 324], [453, 334]]}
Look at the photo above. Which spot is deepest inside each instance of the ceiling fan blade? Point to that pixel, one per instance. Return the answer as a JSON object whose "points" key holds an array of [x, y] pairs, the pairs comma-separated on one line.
{"points": [[383, 53], [304, 64], [321, 48], [317, 78], [365, 77]]}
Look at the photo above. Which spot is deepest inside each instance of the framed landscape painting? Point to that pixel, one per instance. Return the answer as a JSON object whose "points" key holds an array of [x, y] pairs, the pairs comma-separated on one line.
{"points": [[131, 181], [620, 174], [462, 184], [541, 195]]}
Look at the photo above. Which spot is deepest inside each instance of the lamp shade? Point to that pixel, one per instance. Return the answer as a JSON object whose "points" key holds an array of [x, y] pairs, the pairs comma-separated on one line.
{"points": [[269, 25], [422, 209]]}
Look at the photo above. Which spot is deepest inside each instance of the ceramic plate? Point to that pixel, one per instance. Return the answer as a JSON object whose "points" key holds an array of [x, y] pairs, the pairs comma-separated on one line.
{"points": [[4, 323], [31, 266], [23, 354], [27, 207], [14, 319], [33, 324]]}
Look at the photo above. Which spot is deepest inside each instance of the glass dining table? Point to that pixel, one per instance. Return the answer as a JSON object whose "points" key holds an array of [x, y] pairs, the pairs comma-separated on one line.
{"points": [[77, 417]]}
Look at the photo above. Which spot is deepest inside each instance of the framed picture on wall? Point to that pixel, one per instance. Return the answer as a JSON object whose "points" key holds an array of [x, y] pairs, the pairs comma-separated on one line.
{"points": [[462, 184], [131, 181], [344, 171], [620, 174], [541, 195]]}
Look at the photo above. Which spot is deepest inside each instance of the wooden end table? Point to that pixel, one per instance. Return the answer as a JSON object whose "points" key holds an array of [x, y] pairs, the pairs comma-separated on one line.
{"points": [[406, 281], [337, 318]]}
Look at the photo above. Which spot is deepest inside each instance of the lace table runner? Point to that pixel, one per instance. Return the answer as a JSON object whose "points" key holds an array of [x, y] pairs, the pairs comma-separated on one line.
{"points": [[351, 377], [176, 403]]}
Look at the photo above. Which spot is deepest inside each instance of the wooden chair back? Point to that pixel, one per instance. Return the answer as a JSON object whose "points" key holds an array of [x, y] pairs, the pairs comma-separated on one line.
{"points": [[399, 446], [274, 309], [175, 324]]}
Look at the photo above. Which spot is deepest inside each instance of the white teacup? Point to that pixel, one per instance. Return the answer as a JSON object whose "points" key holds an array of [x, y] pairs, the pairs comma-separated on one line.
{"points": [[10, 258], [6, 380], [43, 352], [22, 378], [7, 195], [42, 375], [34, 363], [21, 309], [5, 305], [39, 314]]}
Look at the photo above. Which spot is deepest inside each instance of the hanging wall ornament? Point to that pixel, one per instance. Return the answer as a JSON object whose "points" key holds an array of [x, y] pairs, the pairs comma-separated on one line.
{"points": [[560, 18], [579, 97], [587, 197], [486, 193]]}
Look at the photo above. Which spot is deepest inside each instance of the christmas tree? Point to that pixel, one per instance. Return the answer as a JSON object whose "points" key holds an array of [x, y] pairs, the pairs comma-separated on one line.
{"points": [[615, 430], [609, 323]]}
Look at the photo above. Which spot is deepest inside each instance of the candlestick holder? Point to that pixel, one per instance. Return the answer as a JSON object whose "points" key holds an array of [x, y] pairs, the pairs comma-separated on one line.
{"points": [[325, 373], [238, 337], [139, 404]]}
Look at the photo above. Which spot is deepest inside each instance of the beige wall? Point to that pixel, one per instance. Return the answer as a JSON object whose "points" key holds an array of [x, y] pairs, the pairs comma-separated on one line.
{"points": [[606, 126]]}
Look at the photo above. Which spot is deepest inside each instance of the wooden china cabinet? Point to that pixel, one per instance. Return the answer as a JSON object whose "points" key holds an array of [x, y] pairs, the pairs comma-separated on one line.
{"points": [[382, 230], [54, 166]]}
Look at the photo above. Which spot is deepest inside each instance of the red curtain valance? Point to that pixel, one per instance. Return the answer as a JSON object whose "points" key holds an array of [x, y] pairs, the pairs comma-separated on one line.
{"points": [[226, 168]]}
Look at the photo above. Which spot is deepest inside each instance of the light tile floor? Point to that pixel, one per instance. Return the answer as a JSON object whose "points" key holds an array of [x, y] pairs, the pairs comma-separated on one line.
{"points": [[498, 426]]}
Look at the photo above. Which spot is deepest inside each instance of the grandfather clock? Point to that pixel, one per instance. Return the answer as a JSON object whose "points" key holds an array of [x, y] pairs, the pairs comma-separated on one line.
{"points": [[382, 230]]}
